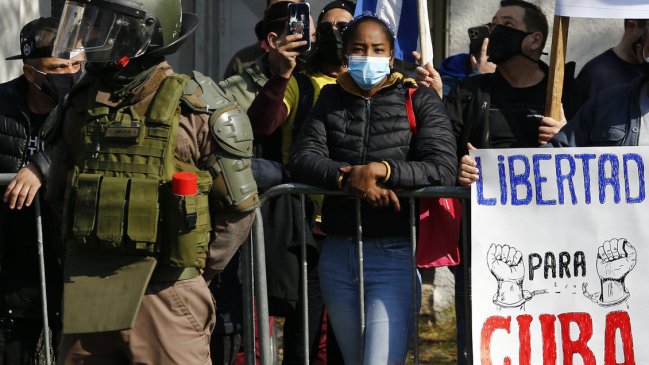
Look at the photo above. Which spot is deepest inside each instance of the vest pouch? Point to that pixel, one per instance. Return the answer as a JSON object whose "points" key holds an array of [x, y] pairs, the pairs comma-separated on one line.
{"points": [[186, 226], [110, 215], [85, 204], [143, 211]]}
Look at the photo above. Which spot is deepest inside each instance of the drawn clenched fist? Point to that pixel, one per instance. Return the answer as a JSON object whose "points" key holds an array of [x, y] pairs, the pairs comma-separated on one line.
{"points": [[615, 259], [505, 263]]}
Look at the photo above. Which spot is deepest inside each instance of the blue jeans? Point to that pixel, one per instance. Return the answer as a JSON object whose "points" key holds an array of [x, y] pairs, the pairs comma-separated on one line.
{"points": [[388, 297]]}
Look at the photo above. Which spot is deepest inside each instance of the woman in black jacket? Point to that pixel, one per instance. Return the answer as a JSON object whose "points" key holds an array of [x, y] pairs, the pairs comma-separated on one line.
{"points": [[358, 138]]}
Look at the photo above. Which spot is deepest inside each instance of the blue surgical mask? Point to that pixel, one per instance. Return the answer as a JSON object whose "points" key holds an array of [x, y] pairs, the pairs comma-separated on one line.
{"points": [[368, 72]]}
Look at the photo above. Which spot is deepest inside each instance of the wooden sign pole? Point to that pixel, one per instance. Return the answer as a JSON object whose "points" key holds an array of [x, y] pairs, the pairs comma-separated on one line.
{"points": [[557, 65], [425, 39]]}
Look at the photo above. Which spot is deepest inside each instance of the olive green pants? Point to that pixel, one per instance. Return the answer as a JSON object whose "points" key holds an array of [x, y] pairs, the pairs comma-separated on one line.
{"points": [[173, 326]]}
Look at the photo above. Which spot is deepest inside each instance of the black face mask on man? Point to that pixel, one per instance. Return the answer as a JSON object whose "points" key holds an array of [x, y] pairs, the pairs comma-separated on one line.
{"points": [[330, 44], [506, 42], [56, 86]]}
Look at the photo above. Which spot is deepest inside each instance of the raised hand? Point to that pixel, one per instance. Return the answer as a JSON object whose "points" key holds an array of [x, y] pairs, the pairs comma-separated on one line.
{"points": [[427, 76]]}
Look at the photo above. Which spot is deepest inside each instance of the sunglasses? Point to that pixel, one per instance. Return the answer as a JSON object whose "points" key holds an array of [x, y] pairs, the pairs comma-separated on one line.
{"points": [[337, 25]]}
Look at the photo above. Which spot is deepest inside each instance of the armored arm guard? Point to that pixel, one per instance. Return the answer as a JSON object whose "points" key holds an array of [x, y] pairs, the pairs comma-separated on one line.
{"points": [[234, 188], [234, 185]]}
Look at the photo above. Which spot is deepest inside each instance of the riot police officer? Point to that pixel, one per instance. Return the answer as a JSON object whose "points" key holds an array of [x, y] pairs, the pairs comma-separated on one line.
{"points": [[138, 235]]}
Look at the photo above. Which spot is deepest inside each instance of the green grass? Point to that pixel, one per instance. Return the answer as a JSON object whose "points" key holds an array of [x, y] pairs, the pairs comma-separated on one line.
{"points": [[436, 342]]}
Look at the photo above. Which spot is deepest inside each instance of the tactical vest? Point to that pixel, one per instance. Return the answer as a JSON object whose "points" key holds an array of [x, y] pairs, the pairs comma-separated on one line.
{"points": [[119, 194]]}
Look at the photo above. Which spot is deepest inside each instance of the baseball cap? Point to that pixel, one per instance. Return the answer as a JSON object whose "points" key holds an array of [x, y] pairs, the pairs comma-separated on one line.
{"points": [[37, 38], [274, 17], [338, 4]]}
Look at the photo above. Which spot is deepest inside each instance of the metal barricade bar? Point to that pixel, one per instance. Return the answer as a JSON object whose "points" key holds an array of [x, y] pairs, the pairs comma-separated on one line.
{"points": [[5, 179], [305, 287], [415, 279], [247, 263], [302, 190], [261, 293]]}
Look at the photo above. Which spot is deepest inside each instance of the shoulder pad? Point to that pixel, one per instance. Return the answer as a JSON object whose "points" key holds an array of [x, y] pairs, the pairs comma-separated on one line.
{"points": [[232, 131], [202, 95]]}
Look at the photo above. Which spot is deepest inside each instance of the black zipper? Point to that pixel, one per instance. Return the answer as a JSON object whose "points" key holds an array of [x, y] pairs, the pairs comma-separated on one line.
{"points": [[366, 136], [25, 151]]}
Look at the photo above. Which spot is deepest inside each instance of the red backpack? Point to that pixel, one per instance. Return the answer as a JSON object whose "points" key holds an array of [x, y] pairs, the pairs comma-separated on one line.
{"points": [[439, 220]]}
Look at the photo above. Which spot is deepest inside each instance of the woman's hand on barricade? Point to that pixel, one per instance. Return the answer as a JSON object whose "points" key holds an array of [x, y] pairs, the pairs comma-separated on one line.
{"points": [[362, 183], [23, 188], [468, 172], [427, 76], [362, 178], [379, 197]]}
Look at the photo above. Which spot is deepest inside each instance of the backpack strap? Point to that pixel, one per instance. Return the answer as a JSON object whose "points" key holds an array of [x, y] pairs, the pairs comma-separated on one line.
{"points": [[411, 110]]}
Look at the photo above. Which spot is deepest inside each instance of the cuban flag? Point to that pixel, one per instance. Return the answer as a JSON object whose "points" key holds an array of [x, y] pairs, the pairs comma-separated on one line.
{"points": [[404, 18]]}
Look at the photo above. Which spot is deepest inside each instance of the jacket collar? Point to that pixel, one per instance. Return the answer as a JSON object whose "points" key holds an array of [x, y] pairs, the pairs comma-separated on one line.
{"points": [[347, 83], [139, 93], [259, 71]]}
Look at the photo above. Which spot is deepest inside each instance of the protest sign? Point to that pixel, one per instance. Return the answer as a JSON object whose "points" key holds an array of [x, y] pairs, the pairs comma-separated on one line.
{"points": [[560, 256], [610, 9]]}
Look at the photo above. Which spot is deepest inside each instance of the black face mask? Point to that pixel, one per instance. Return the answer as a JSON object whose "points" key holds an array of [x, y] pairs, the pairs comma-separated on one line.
{"points": [[57, 86], [330, 45], [504, 43]]}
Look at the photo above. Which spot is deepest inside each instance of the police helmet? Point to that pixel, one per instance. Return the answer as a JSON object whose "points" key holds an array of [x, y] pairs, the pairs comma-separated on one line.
{"points": [[113, 30]]}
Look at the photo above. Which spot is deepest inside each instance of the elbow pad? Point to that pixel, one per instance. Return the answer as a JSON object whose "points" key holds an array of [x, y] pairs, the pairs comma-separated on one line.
{"points": [[234, 187]]}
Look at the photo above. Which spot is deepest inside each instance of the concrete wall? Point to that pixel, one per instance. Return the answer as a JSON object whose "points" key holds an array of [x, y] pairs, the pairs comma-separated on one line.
{"points": [[586, 38], [227, 25], [15, 13]]}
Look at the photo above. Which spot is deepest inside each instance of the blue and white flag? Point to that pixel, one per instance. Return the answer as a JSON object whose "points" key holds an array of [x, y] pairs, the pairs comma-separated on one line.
{"points": [[403, 17]]}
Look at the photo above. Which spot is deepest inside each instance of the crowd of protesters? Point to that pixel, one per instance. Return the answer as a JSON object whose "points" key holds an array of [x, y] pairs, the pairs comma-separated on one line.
{"points": [[335, 117]]}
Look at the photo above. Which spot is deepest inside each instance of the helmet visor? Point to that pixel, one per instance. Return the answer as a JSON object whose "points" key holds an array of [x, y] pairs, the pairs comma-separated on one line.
{"points": [[104, 33]]}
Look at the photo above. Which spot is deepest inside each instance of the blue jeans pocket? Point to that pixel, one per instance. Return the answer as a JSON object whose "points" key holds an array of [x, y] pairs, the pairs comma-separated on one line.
{"points": [[397, 248]]}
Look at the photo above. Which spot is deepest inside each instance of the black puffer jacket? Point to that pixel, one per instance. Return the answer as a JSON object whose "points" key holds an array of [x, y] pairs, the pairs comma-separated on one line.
{"points": [[15, 129], [14, 125], [19, 275], [347, 129]]}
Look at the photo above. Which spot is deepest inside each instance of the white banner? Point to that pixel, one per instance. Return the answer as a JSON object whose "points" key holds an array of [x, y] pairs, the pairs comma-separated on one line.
{"points": [[612, 9], [560, 257]]}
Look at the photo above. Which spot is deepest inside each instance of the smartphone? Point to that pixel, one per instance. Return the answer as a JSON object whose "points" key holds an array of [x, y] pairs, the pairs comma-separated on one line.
{"points": [[476, 38], [299, 22]]}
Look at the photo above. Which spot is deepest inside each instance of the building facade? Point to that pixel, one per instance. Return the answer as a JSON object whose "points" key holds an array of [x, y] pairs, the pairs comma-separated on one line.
{"points": [[228, 25]]}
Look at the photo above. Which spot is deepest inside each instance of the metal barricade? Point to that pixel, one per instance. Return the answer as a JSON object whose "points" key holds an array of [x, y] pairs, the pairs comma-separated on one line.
{"points": [[257, 277], [5, 179]]}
